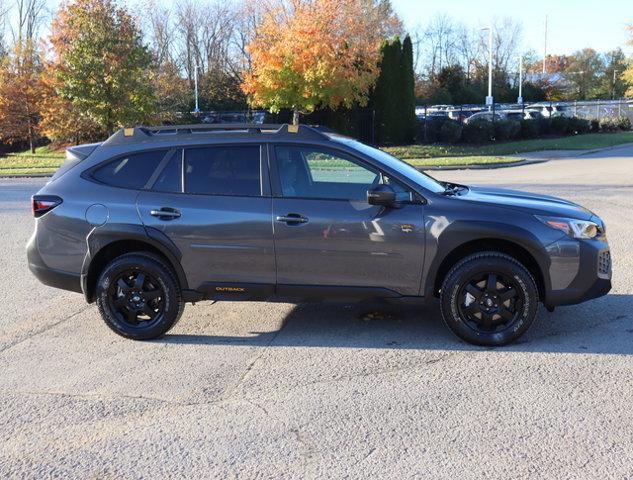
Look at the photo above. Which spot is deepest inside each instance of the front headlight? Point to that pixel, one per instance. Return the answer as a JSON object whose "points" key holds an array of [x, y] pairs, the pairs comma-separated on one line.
{"points": [[581, 229]]}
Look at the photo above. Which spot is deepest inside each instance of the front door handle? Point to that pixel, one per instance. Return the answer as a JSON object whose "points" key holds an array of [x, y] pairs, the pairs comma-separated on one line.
{"points": [[292, 219], [165, 213]]}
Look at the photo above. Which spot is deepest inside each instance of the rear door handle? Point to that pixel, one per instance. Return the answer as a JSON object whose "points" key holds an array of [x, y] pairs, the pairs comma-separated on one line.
{"points": [[292, 219], [165, 213]]}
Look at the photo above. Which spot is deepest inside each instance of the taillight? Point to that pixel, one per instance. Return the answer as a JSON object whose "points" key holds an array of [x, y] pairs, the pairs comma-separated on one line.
{"points": [[40, 204]]}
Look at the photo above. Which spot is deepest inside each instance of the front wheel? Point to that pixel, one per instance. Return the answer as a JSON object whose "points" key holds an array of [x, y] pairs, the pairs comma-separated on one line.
{"points": [[489, 299], [138, 296]]}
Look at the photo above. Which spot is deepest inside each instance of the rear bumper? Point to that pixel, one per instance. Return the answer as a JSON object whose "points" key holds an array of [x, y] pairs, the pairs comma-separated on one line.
{"points": [[50, 276], [593, 277]]}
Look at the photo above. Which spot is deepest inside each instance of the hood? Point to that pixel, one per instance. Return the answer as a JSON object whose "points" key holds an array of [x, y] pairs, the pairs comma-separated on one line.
{"points": [[529, 202]]}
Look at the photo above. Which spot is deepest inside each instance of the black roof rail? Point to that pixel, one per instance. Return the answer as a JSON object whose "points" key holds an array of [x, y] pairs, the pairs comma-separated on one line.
{"points": [[147, 133], [201, 128]]}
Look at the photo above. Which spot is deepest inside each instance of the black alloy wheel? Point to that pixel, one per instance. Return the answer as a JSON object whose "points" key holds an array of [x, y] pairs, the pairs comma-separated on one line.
{"points": [[489, 298], [138, 296], [490, 302]]}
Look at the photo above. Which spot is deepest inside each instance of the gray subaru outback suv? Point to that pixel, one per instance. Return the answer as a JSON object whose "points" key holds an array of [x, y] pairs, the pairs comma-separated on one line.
{"points": [[158, 216]]}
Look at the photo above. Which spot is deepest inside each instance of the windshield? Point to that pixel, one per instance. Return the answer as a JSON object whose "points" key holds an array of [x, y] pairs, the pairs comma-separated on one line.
{"points": [[398, 165]]}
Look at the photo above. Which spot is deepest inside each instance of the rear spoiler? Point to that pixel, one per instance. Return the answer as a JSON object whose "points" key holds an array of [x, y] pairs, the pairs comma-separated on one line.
{"points": [[80, 152]]}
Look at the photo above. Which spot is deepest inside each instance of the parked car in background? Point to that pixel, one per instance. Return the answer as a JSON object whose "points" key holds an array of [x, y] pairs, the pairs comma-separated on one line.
{"points": [[224, 117], [522, 114], [552, 109], [487, 116], [461, 114]]}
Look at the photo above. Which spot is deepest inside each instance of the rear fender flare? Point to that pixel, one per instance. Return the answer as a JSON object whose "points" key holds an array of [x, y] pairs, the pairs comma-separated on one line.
{"points": [[100, 237]]}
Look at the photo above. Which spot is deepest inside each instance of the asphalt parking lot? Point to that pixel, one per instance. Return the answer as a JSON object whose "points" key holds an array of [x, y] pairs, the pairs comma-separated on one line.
{"points": [[248, 390]]}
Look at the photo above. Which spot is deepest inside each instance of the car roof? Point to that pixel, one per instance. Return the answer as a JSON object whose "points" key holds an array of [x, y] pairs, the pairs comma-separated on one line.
{"points": [[226, 131]]}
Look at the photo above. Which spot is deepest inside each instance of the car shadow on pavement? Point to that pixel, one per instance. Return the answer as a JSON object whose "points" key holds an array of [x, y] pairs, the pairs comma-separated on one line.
{"points": [[603, 326]]}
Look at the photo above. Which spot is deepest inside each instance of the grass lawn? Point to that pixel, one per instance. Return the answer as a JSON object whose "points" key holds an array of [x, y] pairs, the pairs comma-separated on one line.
{"points": [[45, 160], [578, 142]]}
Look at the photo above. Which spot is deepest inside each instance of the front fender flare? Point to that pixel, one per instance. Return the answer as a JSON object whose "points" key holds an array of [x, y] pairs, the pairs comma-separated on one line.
{"points": [[462, 232]]}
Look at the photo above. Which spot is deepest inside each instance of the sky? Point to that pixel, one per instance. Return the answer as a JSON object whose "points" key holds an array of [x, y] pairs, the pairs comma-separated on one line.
{"points": [[572, 24]]}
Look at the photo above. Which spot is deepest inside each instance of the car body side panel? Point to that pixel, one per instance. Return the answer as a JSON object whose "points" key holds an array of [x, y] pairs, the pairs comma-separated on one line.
{"points": [[350, 243], [62, 233], [222, 238]]}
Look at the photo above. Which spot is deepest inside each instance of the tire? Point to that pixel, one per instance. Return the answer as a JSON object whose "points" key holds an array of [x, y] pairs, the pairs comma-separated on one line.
{"points": [[138, 296], [489, 299]]}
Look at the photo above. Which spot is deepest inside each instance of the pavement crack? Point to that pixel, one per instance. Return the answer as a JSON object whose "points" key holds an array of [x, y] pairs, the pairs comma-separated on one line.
{"points": [[250, 367], [46, 328]]}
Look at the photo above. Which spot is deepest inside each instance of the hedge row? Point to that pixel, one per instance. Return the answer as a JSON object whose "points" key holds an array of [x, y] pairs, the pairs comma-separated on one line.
{"points": [[483, 131]]}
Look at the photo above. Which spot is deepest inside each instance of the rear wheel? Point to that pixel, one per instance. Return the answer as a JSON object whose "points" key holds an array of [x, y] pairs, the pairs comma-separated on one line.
{"points": [[138, 296], [489, 299]]}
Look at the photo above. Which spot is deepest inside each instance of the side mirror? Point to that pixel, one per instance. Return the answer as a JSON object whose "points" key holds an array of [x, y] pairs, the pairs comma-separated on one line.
{"points": [[382, 195]]}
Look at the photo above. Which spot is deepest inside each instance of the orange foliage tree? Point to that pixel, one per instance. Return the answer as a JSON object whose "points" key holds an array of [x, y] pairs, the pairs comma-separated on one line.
{"points": [[311, 53], [20, 93]]}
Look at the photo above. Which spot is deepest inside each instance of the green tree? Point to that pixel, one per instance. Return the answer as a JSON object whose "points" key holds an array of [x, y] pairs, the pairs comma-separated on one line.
{"points": [[385, 93], [583, 74], [102, 67], [394, 93], [612, 84], [408, 91]]}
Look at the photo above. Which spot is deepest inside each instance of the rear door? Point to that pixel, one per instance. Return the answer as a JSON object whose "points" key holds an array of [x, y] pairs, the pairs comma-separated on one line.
{"points": [[214, 203], [328, 235]]}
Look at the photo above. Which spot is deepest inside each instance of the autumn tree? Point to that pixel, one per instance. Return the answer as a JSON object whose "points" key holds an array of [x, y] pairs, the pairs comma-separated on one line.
{"points": [[60, 119], [101, 65], [317, 53], [20, 94]]}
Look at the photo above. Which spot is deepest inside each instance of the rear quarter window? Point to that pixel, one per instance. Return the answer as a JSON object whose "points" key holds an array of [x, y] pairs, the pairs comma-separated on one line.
{"points": [[130, 171]]}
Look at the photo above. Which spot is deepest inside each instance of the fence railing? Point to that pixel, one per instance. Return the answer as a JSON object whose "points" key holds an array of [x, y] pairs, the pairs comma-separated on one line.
{"points": [[361, 122], [588, 109]]}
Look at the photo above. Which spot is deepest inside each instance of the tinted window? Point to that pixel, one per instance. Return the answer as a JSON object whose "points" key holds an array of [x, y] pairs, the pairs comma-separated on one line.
{"points": [[394, 163], [223, 170], [131, 171], [170, 178], [309, 172]]}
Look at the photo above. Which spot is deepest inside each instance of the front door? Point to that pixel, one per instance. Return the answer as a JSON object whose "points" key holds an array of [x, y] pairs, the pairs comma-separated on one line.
{"points": [[214, 204], [327, 234]]}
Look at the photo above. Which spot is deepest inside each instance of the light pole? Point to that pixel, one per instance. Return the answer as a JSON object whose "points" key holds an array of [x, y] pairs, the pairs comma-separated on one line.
{"points": [[195, 82], [489, 99], [545, 48], [520, 99]]}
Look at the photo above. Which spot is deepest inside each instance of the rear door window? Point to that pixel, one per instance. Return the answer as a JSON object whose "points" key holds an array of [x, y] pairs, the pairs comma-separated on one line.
{"points": [[223, 170], [130, 171]]}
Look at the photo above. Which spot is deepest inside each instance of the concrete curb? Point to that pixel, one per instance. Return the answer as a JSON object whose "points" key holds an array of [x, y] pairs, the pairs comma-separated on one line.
{"points": [[27, 175], [483, 166]]}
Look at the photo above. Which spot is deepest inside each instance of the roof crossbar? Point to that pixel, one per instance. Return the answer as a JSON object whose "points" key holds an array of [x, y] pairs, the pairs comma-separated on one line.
{"points": [[147, 133]]}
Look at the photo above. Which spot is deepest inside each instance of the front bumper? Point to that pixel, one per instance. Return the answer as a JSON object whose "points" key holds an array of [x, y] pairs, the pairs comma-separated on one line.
{"points": [[50, 276], [591, 278]]}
